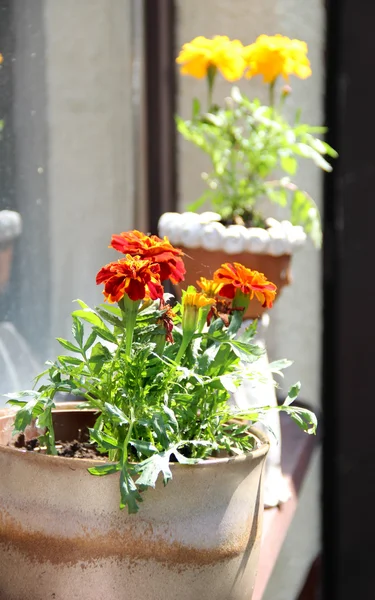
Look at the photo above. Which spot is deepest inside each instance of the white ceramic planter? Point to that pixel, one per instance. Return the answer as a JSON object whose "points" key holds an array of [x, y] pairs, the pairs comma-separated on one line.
{"points": [[62, 535], [193, 230]]}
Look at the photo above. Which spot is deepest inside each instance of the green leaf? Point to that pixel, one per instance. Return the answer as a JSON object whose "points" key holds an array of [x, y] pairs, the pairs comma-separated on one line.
{"points": [[278, 365], [130, 495], [99, 356], [106, 469], [90, 340], [110, 318], [116, 414], [246, 352], [292, 394], [248, 334], [152, 467], [236, 321], [70, 360], [228, 383], [87, 314], [77, 330], [197, 204], [24, 415], [105, 334], [143, 447], [304, 418], [160, 430], [68, 345], [289, 164], [184, 460], [103, 440]]}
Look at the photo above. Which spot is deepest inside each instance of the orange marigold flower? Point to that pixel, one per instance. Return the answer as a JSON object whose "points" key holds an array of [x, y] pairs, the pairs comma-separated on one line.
{"points": [[155, 249], [210, 287], [201, 54], [237, 277], [274, 55], [1, 59], [137, 278]]}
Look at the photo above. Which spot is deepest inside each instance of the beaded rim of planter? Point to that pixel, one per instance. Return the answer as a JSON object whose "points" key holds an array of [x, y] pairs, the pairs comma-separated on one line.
{"points": [[10, 226], [193, 230]]}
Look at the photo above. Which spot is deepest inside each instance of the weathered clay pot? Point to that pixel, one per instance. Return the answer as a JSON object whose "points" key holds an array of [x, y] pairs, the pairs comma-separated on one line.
{"points": [[202, 263], [63, 536]]}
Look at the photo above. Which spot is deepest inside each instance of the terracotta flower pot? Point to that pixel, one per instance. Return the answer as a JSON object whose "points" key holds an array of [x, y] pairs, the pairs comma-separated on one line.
{"points": [[63, 536], [203, 263]]}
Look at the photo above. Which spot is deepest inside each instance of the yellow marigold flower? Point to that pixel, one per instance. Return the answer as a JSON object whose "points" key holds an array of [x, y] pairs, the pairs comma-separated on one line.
{"points": [[1, 58], [274, 55], [196, 300], [201, 54], [210, 287], [192, 302]]}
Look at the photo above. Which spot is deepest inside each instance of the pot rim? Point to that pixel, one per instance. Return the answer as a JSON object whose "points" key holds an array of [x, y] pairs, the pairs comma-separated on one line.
{"points": [[84, 463]]}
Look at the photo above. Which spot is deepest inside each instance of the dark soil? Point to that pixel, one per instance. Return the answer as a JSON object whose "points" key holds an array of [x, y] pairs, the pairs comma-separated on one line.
{"points": [[74, 449]]}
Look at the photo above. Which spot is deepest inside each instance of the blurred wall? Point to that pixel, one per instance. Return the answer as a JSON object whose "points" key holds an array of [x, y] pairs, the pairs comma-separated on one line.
{"points": [[73, 124], [295, 330]]}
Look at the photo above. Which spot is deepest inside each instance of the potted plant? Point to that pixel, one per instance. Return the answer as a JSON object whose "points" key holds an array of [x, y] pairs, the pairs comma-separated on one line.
{"points": [[152, 386], [254, 153]]}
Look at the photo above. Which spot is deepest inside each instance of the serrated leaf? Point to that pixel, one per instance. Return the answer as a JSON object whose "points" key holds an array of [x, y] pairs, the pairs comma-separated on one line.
{"points": [[246, 352], [68, 345], [152, 467], [103, 440], [171, 415], [106, 469], [90, 340], [130, 495], [70, 360], [111, 318], [158, 425], [184, 460], [116, 414], [105, 334], [99, 356], [24, 415], [143, 446], [77, 330], [87, 314], [304, 418], [228, 383], [278, 365], [293, 394]]}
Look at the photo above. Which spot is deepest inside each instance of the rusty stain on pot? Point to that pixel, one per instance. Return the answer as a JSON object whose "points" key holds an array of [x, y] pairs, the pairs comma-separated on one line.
{"points": [[41, 547]]}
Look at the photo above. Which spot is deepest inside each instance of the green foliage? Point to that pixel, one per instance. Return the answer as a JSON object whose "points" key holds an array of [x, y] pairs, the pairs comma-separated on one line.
{"points": [[248, 144], [153, 408]]}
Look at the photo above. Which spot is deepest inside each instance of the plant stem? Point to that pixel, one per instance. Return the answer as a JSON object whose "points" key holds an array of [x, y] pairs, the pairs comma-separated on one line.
{"points": [[272, 94], [211, 73], [130, 313], [128, 436]]}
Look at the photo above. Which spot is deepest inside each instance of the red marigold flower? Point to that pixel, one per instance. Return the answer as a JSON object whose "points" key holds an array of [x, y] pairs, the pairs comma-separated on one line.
{"points": [[137, 278], [154, 248], [237, 277]]}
